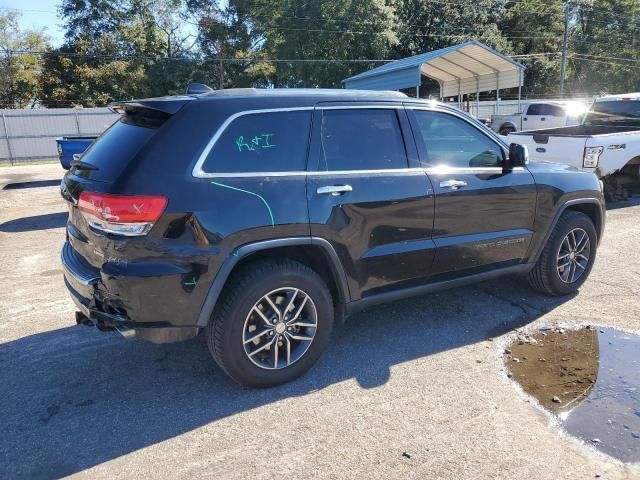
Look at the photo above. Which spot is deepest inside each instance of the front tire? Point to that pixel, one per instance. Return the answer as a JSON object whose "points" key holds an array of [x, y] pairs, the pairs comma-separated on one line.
{"points": [[272, 323], [568, 256]]}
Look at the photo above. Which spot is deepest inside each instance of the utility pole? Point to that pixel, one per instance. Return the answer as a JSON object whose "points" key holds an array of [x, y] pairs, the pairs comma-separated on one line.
{"points": [[564, 48]]}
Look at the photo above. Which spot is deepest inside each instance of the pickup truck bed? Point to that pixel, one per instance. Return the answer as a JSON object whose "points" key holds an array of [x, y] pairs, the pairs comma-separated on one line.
{"points": [[579, 131], [70, 146]]}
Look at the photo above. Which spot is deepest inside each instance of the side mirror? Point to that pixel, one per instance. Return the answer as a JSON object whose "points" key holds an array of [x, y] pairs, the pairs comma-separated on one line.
{"points": [[518, 156]]}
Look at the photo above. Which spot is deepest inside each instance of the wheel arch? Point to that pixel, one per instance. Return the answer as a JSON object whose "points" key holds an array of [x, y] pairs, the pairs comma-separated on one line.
{"points": [[592, 207], [316, 253], [510, 125]]}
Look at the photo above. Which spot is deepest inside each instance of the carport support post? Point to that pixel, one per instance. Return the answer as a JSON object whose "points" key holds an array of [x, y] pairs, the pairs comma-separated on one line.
{"points": [[497, 109], [477, 96], [417, 91], [459, 97], [6, 135], [519, 87]]}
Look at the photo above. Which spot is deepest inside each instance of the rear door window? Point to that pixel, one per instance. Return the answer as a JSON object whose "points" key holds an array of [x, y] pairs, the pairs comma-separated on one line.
{"points": [[262, 142], [361, 139]]}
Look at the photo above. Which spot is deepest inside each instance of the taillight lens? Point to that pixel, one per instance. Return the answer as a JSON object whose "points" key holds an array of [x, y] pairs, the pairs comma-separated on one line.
{"points": [[129, 215]]}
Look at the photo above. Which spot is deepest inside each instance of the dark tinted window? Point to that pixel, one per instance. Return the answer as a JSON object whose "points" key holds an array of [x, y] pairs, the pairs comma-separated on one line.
{"points": [[361, 139], [614, 112], [451, 141], [535, 109], [262, 142], [115, 149], [553, 110]]}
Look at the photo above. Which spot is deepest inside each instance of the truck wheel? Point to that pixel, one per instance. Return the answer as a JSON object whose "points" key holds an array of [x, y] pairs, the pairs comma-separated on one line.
{"points": [[615, 189], [271, 323], [506, 130], [568, 256]]}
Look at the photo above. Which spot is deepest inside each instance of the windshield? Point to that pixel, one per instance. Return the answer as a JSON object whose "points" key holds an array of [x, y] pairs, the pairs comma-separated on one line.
{"points": [[615, 112]]}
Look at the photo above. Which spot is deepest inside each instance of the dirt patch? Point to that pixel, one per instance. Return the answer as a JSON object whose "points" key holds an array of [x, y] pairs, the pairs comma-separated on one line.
{"points": [[589, 378], [557, 367]]}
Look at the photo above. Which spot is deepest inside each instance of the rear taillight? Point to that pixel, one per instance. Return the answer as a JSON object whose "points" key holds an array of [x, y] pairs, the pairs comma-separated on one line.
{"points": [[121, 214]]}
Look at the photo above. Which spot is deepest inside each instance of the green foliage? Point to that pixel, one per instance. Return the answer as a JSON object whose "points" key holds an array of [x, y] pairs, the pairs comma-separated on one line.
{"points": [[19, 72], [606, 32], [120, 49], [536, 26], [343, 29]]}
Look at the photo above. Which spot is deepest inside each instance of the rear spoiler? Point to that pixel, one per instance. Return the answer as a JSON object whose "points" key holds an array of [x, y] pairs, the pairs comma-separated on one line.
{"points": [[166, 105]]}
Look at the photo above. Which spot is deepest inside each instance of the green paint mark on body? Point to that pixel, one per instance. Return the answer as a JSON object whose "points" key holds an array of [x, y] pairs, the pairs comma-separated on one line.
{"points": [[273, 223]]}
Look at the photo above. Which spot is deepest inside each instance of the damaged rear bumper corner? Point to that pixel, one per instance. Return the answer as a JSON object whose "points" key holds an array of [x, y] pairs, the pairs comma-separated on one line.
{"points": [[82, 279]]}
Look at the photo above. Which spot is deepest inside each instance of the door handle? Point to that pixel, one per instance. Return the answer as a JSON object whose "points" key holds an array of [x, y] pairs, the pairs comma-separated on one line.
{"points": [[453, 184], [334, 190], [525, 119], [543, 119]]}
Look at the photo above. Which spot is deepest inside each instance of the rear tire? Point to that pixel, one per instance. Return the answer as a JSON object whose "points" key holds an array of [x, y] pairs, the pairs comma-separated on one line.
{"points": [[506, 130], [245, 311], [567, 258], [615, 189]]}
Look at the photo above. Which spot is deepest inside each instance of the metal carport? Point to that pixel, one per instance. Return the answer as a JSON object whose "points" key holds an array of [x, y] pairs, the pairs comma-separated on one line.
{"points": [[469, 67]]}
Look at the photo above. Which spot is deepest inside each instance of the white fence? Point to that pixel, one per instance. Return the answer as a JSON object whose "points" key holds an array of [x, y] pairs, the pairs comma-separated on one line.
{"points": [[30, 135]]}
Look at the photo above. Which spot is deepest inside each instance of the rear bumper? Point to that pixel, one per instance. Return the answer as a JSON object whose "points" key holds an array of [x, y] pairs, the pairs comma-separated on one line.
{"points": [[107, 308]]}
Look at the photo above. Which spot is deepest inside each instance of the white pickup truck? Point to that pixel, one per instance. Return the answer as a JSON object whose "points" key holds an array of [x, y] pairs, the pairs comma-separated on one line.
{"points": [[606, 143], [537, 115]]}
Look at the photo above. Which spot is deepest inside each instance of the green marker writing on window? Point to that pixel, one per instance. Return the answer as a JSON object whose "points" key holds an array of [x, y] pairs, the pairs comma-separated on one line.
{"points": [[256, 142]]}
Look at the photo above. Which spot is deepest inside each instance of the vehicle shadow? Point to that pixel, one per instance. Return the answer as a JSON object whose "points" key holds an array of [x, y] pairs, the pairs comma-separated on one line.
{"points": [[35, 222], [74, 398], [32, 184]]}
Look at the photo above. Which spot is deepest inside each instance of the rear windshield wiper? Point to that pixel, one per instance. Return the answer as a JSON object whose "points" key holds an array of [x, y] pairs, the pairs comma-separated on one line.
{"points": [[80, 165]]}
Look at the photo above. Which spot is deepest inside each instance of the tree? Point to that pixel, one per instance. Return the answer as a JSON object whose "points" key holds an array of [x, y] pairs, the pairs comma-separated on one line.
{"points": [[330, 30], [534, 27], [118, 49], [426, 25], [606, 46], [19, 70]]}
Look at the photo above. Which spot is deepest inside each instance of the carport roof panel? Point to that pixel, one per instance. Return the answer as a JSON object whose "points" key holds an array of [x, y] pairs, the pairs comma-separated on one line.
{"points": [[466, 60]]}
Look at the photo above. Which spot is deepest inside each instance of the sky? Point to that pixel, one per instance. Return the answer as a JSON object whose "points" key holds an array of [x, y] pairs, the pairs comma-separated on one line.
{"points": [[38, 14]]}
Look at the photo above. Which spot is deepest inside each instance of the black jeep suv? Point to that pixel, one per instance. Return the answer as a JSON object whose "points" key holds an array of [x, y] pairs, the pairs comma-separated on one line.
{"points": [[263, 216]]}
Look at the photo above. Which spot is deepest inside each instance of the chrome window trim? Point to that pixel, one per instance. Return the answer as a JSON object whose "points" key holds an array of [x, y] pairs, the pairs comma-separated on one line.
{"points": [[198, 172], [435, 171]]}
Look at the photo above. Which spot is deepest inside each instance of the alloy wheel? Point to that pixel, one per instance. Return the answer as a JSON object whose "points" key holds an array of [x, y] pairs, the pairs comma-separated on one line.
{"points": [[280, 328], [573, 255]]}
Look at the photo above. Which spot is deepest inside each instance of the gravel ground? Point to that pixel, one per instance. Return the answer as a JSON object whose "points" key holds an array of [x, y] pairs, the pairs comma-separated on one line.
{"points": [[413, 389]]}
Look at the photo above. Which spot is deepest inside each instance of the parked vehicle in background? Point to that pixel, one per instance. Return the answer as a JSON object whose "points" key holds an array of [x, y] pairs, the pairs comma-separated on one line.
{"points": [[72, 146], [539, 115], [606, 143], [261, 216]]}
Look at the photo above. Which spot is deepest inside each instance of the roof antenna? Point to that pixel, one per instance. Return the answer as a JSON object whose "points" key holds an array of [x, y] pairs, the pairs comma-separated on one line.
{"points": [[197, 89]]}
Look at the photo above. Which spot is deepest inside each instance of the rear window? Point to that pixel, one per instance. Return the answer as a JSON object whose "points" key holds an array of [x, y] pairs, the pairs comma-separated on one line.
{"points": [[616, 112], [262, 143], [117, 146]]}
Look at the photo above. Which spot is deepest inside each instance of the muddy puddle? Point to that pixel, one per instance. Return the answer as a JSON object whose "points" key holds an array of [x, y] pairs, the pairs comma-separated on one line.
{"points": [[589, 378]]}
